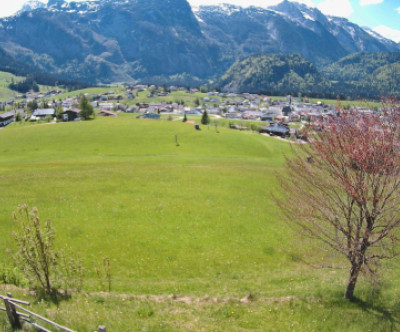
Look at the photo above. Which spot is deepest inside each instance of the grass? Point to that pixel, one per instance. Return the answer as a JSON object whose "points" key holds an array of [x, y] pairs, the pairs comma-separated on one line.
{"points": [[175, 96], [194, 220], [96, 90], [5, 80], [348, 103], [141, 97]]}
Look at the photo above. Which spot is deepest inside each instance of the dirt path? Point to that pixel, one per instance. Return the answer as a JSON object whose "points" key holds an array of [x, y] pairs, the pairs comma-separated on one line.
{"points": [[193, 300], [171, 298]]}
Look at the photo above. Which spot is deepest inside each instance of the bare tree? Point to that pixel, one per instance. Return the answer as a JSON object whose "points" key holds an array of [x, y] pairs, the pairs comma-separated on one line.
{"points": [[343, 188]]}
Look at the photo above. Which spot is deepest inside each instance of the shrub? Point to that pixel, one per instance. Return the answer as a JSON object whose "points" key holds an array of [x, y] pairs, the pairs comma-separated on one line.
{"points": [[11, 276], [35, 252], [45, 268], [18, 117], [87, 111]]}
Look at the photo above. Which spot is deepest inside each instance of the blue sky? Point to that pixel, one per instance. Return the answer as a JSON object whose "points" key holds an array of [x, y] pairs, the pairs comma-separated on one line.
{"points": [[382, 16]]}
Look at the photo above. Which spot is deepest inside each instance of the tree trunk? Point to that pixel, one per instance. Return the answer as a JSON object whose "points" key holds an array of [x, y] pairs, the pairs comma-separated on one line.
{"points": [[351, 284]]}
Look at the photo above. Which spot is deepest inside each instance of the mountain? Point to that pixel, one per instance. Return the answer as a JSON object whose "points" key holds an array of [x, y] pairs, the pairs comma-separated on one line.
{"points": [[34, 76], [110, 41], [359, 66], [31, 5], [107, 41], [367, 74], [284, 29], [274, 73], [370, 75]]}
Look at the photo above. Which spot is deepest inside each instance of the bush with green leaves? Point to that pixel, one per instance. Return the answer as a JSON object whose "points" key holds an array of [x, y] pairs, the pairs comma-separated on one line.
{"points": [[11, 276], [87, 110], [35, 253], [59, 111], [45, 268], [18, 117]]}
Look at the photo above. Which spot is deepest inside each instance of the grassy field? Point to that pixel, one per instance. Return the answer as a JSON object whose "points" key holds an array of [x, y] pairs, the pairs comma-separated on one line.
{"points": [[96, 90], [173, 97], [5, 80], [195, 220]]}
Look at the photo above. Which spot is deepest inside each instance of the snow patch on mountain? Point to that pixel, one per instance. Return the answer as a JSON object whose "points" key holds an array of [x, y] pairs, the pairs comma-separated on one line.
{"points": [[30, 6]]}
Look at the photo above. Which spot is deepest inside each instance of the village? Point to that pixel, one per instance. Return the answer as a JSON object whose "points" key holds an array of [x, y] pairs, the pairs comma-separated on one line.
{"points": [[273, 114]]}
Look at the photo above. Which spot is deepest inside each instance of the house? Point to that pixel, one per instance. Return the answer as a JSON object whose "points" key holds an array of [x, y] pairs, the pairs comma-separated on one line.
{"points": [[106, 106], [132, 109], [71, 115], [9, 117], [40, 114], [232, 115], [193, 111], [154, 116], [276, 130], [107, 113], [267, 118]]}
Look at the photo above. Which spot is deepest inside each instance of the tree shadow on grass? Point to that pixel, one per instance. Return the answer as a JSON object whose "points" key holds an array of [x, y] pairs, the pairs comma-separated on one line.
{"points": [[55, 297], [387, 316]]}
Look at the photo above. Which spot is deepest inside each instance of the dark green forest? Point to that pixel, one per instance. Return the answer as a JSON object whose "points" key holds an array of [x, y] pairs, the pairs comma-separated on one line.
{"points": [[367, 75], [33, 76]]}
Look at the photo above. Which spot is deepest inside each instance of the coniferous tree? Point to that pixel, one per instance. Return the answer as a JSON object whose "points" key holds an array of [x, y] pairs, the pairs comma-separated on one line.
{"points": [[205, 120]]}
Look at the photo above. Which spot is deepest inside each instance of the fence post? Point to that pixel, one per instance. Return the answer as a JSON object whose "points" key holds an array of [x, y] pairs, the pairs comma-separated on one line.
{"points": [[102, 329], [12, 314]]}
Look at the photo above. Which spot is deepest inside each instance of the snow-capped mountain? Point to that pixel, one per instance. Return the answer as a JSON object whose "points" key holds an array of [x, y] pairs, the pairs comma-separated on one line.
{"points": [[31, 5], [288, 27], [123, 40]]}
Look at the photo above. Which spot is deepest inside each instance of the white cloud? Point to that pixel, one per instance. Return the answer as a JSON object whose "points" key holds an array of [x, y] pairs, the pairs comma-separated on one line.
{"points": [[389, 33], [341, 8], [398, 9], [370, 2]]}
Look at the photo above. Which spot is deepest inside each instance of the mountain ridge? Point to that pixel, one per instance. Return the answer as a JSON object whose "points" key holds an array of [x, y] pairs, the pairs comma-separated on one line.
{"points": [[103, 41]]}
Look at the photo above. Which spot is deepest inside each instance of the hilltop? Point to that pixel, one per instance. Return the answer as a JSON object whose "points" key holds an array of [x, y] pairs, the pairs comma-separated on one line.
{"points": [[272, 74]]}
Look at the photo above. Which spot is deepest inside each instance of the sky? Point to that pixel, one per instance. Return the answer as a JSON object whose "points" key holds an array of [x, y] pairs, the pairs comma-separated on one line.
{"points": [[383, 16]]}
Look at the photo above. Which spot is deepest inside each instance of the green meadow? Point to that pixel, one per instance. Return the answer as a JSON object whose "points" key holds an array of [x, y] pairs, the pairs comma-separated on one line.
{"points": [[190, 229], [5, 80], [6, 93]]}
